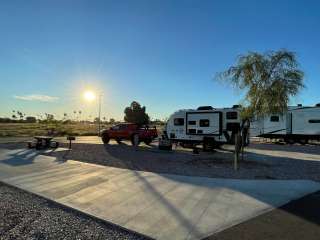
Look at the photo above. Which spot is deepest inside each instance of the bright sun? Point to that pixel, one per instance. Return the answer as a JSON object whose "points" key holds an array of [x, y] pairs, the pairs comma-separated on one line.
{"points": [[89, 96]]}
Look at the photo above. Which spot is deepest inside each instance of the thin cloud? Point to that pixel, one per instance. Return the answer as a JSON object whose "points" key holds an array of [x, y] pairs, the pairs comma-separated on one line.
{"points": [[36, 97]]}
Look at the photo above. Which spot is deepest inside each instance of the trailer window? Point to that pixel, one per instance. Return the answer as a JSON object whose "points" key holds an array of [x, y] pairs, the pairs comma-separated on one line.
{"points": [[192, 131], [232, 115], [274, 119], [178, 121], [204, 123], [192, 122], [314, 121], [122, 127], [116, 127]]}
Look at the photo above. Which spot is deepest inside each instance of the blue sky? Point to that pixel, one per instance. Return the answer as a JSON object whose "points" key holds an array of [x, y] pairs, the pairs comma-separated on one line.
{"points": [[163, 54]]}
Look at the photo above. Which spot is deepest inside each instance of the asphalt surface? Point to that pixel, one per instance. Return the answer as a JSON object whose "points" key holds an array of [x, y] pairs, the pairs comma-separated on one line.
{"points": [[299, 219], [27, 216]]}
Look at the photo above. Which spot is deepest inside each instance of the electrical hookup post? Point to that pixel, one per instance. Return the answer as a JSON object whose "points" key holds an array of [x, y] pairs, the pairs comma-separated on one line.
{"points": [[237, 149]]}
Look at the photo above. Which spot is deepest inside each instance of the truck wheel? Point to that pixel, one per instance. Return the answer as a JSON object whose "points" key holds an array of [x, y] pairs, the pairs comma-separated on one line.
{"points": [[105, 138], [148, 141], [135, 139]]}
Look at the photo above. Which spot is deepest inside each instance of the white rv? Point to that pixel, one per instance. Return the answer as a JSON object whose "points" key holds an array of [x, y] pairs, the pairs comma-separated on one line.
{"points": [[204, 125], [298, 124]]}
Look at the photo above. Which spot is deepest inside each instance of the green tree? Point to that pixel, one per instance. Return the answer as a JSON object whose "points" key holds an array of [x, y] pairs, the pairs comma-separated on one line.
{"points": [[269, 79], [136, 114], [49, 117], [112, 120], [31, 119]]}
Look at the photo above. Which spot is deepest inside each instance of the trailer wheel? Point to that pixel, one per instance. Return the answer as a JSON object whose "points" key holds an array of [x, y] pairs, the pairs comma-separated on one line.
{"points": [[105, 138], [303, 141], [135, 140], [290, 141], [209, 144]]}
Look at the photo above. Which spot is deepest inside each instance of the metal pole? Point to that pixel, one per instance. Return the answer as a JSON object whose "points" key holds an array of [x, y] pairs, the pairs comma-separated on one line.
{"points": [[100, 95], [236, 151]]}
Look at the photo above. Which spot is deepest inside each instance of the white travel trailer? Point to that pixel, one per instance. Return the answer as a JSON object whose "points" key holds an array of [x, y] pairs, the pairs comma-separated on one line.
{"points": [[207, 125], [298, 124]]}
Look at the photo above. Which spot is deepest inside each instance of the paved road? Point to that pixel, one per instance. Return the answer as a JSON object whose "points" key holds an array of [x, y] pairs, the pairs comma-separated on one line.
{"points": [[299, 219], [162, 206]]}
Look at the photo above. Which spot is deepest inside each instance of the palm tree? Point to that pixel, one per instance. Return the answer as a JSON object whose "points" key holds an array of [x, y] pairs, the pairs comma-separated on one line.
{"points": [[269, 79], [21, 115], [79, 114], [74, 113]]}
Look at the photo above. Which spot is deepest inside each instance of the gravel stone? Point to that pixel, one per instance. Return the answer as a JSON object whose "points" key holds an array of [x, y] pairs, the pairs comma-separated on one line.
{"points": [[26, 216]]}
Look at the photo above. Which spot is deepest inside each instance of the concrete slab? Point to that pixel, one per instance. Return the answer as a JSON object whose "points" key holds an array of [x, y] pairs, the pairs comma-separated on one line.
{"points": [[162, 206]]}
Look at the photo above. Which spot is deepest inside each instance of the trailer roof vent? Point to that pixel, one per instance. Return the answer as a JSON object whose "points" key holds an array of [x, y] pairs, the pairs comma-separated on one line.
{"points": [[299, 105], [236, 106], [205, 108], [318, 105]]}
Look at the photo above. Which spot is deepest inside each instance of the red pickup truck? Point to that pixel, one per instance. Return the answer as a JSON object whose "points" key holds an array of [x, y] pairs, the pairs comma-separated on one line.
{"points": [[129, 131]]}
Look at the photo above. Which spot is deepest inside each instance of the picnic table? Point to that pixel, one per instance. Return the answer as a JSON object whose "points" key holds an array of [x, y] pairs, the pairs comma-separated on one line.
{"points": [[43, 142]]}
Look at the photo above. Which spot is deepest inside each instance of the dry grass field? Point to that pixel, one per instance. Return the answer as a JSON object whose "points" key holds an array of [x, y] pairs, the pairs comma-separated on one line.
{"points": [[59, 129]]}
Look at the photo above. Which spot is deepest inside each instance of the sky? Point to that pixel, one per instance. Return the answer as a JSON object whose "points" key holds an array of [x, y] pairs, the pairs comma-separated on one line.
{"points": [[161, 53]]}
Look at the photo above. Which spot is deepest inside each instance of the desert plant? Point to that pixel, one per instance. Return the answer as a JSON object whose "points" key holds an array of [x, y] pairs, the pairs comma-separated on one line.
{"points": [[269, 79]]}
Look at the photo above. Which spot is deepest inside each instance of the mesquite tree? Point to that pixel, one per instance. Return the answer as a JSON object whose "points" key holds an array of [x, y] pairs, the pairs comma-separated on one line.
{"points": [[269, 79]]}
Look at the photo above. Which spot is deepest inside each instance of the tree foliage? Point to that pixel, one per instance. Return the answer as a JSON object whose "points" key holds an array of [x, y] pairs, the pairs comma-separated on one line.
{"points": [[31, 119], [112, 121], [136, 114], [270, 79]]}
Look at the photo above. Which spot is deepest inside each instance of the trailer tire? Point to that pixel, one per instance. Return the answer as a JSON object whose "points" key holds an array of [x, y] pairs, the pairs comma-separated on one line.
{"points": [[135, 141], [291, 141], [209, 144], [105, 138], [303, 141]]}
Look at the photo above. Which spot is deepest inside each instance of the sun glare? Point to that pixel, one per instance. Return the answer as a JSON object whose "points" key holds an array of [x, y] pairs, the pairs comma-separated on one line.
{"points": [[89, 96]]}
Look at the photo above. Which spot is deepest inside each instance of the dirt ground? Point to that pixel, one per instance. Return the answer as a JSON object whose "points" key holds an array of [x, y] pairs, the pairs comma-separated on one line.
{"points": [[261, 160]]}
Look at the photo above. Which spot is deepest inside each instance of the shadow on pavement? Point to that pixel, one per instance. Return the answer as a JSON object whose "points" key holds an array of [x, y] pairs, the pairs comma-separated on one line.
{"points": [[299, 219], [149, 158]]}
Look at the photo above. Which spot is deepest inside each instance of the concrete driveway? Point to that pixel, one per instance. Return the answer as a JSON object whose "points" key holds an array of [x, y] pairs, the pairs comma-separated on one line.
{"points": [[162, 206]]}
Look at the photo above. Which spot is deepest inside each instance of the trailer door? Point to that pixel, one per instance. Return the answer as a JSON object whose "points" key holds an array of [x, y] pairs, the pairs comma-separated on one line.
{"points": [[306, 121], [289, 123]]}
